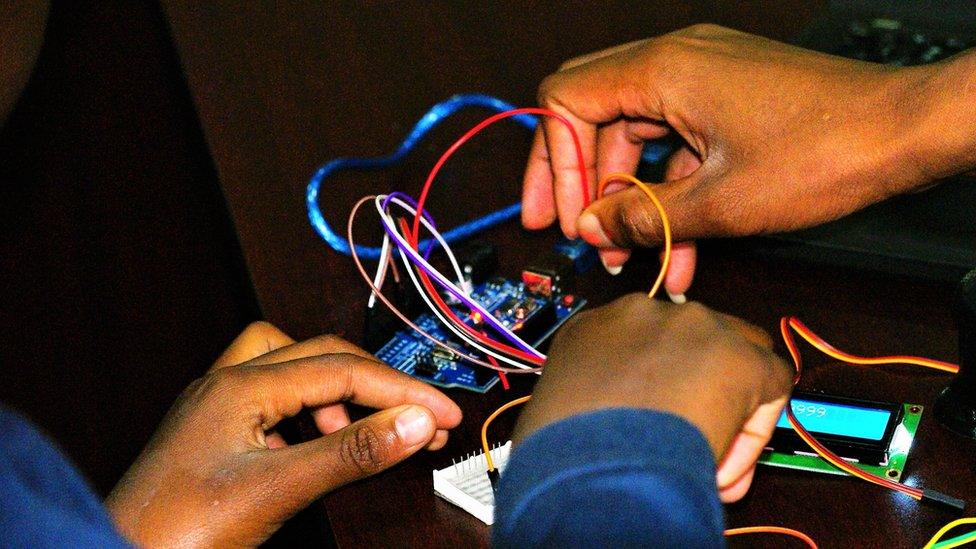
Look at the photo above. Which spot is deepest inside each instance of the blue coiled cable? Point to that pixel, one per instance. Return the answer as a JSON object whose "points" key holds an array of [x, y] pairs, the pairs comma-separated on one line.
{"points": [[434, 116]]}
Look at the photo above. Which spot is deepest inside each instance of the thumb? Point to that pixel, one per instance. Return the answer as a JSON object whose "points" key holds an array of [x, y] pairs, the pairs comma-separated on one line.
{"points": [[628, 218], [311, 469]]}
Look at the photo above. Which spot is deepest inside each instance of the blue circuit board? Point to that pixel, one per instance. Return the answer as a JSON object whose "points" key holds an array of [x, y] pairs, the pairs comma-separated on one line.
{"points": [[535, 318]]}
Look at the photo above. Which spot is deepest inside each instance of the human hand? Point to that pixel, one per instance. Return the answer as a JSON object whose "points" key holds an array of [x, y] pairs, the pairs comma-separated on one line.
{"points": [[216, 473], [776, 138], [714, 370]]}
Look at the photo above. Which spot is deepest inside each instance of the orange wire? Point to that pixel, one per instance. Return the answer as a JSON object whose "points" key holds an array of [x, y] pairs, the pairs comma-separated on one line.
{"points": [[787, 323], [484, 427], [829, 350], [665, 222], [772, 530]]}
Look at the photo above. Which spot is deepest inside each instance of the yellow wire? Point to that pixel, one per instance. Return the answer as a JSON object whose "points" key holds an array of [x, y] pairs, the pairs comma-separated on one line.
{"points": [[942, 531], [484, 428], [665, 223]]}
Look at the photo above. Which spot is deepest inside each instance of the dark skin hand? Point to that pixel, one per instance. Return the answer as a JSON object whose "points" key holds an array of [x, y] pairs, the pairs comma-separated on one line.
{"points": [[216, 473], [777, 138], [714, 370]]}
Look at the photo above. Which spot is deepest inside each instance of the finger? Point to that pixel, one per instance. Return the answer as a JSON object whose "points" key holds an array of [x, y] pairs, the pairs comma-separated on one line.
{"points": [[538, 202], [682, 163], [628, 218], [613, 259], [257, 339], [739, 488], [283, 389], [319, 345], [587, 95], [681, 270], [749, 443], [306, 471], [439, 440], [331, 418], [619, 144], [334, 417], [567, 173], [274, 440]]}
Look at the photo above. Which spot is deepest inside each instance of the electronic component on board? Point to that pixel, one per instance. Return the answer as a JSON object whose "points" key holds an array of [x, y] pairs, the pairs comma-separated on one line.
{"points": [[875, 435], [478, 260], [579, 252], [553, 274], [532, 316]]}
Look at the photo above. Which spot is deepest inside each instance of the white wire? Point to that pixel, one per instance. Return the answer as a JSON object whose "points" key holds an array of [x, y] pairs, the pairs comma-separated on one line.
{"points": [[420, 289], [404, 246], [450, 325], [385, 258], [429, 226]]}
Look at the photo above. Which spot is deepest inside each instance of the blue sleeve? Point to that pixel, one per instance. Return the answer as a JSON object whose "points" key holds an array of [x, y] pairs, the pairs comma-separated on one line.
{"points": [[43, 500], [611, 478]]}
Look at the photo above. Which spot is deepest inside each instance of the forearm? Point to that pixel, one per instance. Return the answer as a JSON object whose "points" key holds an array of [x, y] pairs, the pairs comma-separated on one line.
{"points": [[945, 141], [610, 478]]}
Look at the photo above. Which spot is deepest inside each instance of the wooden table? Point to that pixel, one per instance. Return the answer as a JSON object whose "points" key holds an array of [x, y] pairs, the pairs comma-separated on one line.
{"points": [[279, 92]]}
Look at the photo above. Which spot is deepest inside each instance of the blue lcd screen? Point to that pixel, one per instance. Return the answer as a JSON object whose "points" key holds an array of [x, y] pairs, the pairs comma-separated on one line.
{"points": [[838, 419]]}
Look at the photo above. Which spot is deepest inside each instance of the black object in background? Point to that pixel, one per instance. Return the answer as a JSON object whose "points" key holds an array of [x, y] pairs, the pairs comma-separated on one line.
{"points": [[956, 406], [930, 234], [122, 277]]}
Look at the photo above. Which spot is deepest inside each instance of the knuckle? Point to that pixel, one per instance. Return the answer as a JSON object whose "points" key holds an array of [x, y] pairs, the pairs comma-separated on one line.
{"points": [[213, 385], [260, 328], [328, 341], [362, 449], [570, 63], [703, 29], [547, 90], [695, 313], [719, 213], [637, 223], [346, 365]]}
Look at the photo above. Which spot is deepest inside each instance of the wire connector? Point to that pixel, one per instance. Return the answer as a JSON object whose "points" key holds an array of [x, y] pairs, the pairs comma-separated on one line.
{"points": [[493, 479], [942, 499]]}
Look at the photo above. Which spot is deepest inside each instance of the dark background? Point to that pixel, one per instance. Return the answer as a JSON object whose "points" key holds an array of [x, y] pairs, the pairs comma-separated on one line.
{"points": [[151, 204]]}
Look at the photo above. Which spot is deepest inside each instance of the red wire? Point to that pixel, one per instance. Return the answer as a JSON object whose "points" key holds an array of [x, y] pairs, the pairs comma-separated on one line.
{"points": [[414, 235], [584, 179], [444, 308]]}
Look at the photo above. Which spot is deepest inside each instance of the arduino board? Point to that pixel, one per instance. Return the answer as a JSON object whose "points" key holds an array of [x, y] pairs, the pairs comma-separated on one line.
{"points": [[533, 316]]}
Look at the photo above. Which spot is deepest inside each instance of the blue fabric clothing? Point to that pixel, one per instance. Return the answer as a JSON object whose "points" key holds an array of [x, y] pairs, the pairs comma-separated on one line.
{"points": [[611, 478], [45, 503]]}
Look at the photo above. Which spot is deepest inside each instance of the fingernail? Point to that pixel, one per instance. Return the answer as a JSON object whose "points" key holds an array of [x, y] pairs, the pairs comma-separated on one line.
{"points": [[613, 270], [590, 229], [678, 299], [413, 426]]}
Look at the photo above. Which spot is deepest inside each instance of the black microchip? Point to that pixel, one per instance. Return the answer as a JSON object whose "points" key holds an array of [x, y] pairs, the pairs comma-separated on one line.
{"points": [[478, 261], [536, 324], [426, 366]]}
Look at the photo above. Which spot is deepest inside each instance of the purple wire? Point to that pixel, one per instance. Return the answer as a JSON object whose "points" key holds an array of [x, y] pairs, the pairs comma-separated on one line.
{"points": [[490, 319], [409, 200]]}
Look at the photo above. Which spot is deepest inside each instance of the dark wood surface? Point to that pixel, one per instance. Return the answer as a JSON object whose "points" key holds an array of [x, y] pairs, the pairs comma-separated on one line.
{"points": [[281, 90]]}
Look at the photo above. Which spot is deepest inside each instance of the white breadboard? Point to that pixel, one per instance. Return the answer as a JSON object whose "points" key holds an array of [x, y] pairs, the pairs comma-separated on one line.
{"points": [[466, 483]]}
